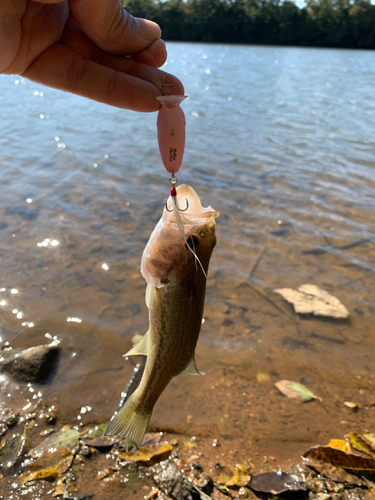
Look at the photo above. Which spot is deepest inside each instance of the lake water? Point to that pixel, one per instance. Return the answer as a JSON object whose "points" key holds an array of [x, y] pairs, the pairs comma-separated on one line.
{"points": [[281, 142]]}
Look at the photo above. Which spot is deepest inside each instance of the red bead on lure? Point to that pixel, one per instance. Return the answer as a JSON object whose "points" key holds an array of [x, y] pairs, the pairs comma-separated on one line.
{"points": [[171, 131]]}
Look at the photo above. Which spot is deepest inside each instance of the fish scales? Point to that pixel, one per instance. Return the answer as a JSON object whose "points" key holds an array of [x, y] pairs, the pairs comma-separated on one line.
{"points": [[176, 277]]}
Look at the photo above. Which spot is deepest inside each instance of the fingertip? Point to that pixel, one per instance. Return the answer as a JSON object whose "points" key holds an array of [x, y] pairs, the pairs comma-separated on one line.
{"points": [[154, 55], [148, 29]]}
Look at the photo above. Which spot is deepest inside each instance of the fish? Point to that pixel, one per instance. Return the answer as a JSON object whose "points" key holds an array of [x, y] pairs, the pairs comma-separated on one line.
{"points": [[175, 267]]}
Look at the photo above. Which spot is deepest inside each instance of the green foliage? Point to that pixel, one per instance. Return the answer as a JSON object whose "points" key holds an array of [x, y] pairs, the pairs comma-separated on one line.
{"points": [[321, 23]]}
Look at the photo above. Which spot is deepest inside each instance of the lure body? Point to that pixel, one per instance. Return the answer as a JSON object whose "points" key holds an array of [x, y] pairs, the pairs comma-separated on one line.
{"points": [[171, 125]]}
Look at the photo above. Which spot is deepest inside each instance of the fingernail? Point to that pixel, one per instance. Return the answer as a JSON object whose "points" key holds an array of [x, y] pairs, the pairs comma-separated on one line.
{"points": [[148, 29]]}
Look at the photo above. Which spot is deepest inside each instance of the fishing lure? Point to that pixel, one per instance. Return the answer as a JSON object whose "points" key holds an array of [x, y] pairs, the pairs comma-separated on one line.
{"points": [[171, 125]]}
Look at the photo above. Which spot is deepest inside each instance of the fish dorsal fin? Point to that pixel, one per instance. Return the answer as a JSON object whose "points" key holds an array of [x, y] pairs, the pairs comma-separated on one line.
{"points": [[192, 369], [141, 348]]}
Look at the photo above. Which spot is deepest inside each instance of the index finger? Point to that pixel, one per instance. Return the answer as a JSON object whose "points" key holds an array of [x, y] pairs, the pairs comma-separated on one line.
{"points": [[61, 68]]}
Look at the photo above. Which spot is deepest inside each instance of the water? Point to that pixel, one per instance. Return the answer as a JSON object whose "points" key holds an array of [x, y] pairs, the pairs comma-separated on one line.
{"points": [[280, 141]]}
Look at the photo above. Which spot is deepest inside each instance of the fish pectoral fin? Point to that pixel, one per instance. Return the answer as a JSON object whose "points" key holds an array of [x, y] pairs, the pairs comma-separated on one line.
{"points": [[140, 349], [192, 369]]}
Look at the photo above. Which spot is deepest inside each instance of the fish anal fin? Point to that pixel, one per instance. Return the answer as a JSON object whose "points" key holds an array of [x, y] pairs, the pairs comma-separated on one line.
{"points": [[141, 348], [130, 422], [192, 369]]}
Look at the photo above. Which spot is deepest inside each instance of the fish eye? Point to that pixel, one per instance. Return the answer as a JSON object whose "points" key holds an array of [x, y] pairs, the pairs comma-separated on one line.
{"points": [[192, 241]]}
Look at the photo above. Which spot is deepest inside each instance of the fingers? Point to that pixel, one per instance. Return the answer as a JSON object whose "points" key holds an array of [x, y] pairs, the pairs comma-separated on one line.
{"points": [[73, 37], [112, 28], [76, 74], [154, 55], [141, 65], [10, 31]]}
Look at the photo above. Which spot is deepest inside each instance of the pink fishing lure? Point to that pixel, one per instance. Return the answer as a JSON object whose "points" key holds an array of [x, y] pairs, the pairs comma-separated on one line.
{"points": [[171, 131]]}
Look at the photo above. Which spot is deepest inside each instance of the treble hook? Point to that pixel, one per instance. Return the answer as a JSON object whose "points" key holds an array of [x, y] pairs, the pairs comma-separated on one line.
{"points": [[180, 209]]}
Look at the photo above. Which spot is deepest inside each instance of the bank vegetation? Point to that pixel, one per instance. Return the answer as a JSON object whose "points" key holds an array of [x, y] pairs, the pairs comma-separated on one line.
{"points": [[321, 23]]}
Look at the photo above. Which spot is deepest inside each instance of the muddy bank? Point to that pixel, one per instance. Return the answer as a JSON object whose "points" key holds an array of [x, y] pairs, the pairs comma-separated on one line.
{"points": [[40, 458], [188, 460]]}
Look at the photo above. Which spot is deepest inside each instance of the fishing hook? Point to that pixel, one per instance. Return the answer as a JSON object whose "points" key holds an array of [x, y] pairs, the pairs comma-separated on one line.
{"points": [[180, 209], [173, 181]]}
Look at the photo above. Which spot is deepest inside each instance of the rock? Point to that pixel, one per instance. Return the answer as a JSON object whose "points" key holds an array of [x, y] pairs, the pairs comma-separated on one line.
{"points": [[35, 364], [276, 483], [171, 481]]}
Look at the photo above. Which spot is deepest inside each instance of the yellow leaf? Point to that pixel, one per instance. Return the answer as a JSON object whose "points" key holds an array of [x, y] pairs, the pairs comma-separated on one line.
{"points": [[147, 454], [190, 444], [340, 444], [359, 443], [49, 465], [240, 477], [242, 469], [370, 439]]}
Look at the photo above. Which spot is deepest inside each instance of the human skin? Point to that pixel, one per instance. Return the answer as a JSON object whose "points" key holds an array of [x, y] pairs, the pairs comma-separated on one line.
{"points": [[92, 48]]}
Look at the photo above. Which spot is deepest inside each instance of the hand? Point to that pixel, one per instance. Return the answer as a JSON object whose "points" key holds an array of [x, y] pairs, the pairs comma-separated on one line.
{"points": [[93, 48]]}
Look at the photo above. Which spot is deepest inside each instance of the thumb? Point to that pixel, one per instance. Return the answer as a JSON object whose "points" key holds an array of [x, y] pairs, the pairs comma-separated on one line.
{"points": [[112, 28]]}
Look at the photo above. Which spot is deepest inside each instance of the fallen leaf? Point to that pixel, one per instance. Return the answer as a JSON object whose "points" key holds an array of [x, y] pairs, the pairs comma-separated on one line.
{"points": [[190, 444], [63, 487], [236, 476], [360, 443], [351, 406], [103, 474], [276, 483], [340, 444], [370, 439], [152, 438], [64, 437], [95, 437], [339, 462], [310, 299], [13, 451], [222, 488], [153, 493], [295, 390], [52, 465], [148, 455], [106, 472]]}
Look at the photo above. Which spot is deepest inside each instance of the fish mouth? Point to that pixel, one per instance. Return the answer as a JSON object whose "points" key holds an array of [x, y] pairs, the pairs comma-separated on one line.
{"points": [[189, 204]]}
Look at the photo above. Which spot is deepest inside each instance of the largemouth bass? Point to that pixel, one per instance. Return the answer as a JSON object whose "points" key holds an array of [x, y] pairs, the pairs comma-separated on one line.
{"points": [[175, 267]]}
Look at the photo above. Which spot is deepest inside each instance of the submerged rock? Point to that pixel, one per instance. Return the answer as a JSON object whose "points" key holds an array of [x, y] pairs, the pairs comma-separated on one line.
{"points": [[171, 481], [35, 364]]}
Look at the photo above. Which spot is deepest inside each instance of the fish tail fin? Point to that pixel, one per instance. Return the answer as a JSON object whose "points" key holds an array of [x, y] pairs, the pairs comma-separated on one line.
{"points": [[130, 422]]}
